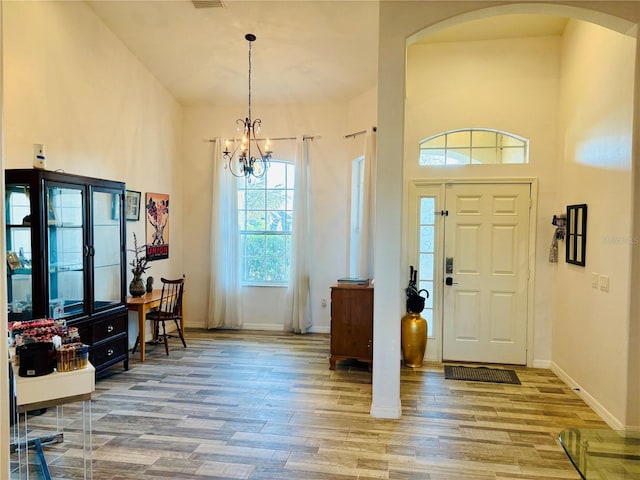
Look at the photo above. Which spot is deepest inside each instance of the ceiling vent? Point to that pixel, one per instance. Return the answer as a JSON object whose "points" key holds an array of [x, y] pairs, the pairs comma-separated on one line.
{"points": [[207, 3]]}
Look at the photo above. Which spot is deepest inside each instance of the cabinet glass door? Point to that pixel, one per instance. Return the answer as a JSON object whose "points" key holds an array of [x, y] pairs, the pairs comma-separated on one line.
{"points": [[65, 206], [106, 248], [18, 234]]}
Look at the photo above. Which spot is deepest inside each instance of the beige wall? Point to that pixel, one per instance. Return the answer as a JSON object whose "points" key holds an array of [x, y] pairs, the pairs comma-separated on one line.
{"points": [[591, 327], [71, 85]]}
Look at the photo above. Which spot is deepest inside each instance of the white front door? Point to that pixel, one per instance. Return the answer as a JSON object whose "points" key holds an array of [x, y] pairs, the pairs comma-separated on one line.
{"points": [[486, 274]]}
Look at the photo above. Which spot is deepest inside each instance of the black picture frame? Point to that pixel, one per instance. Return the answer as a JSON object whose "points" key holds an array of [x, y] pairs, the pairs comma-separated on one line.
{"points": [[576, 252], [132, 205]]}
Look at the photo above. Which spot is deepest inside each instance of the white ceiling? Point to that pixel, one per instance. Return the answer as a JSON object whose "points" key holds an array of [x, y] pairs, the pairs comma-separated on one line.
{"points": [[306, 51]]}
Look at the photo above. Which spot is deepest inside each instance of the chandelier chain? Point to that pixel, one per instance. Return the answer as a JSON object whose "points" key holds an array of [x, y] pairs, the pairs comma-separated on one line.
{"points": [[250, 42]]}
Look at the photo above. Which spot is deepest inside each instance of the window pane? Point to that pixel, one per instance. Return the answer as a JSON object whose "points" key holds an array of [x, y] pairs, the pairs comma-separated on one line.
{"points": [[483, 138], [276, 175], [458, 156], [436, 142], [459, 139], [427, 314], [254, 183], [513, 155], [289, 204], [276, 245], [291, 175], [254, 245], [426, 238], [276, 269], [242, 204], [427, 210], [484, 155], [288, 220], [276, 221], [254, 268], [276, 199], [509, 141], [432, 156], [255, 199], [256, 220], [426, 266]]}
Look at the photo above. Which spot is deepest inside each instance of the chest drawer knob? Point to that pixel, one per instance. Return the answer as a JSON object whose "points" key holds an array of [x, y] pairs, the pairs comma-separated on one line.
{"points": [[110, 352], [110, 328]]}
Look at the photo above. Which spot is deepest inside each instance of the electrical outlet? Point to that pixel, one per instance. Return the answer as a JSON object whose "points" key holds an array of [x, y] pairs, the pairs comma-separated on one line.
{"points": [[39, 157], [604, 283], [324, 303], [595, 280]]}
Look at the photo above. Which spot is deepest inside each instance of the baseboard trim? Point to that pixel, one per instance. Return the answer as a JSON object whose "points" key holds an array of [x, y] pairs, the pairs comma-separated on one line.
{"points": [[383, 411], [597, 407], [542, 364], [274, 327]]}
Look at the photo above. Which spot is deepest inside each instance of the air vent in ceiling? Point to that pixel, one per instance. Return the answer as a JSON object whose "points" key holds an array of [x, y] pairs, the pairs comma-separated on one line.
{"points": [[207, 3]]}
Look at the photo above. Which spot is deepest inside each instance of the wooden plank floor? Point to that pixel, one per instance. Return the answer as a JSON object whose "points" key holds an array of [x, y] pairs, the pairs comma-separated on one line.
{"points": [[265, 406]]}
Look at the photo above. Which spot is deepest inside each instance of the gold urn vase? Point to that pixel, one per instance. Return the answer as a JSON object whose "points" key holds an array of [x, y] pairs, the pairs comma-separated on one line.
{"points": [[414, 339]]}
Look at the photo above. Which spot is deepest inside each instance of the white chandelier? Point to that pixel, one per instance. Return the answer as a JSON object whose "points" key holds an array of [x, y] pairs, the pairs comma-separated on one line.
{"points": [[242, 163]]}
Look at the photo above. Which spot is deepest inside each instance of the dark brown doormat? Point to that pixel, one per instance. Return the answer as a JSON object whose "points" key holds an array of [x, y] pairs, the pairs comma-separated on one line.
{"points": [[481, 374]]}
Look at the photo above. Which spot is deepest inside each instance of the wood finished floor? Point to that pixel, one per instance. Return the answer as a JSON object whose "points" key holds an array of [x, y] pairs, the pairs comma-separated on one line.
{"points": [[265, 406]]}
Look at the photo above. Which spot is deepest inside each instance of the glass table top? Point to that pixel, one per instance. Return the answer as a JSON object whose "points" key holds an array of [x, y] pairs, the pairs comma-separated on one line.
{"points": [[603, 454]]}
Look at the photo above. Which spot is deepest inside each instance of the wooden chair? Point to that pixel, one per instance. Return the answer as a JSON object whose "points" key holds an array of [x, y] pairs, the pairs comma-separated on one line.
{"points": [[170, 308]]}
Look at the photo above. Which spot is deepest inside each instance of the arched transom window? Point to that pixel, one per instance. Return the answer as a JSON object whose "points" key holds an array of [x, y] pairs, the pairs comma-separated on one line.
{"points": [[473, 146]]}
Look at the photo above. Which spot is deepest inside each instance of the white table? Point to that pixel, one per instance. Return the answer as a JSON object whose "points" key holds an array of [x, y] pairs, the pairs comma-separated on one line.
{"points": [[55, 389]]}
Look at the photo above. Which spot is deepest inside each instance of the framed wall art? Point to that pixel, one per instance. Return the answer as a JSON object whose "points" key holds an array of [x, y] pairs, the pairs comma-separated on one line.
{"points": [[157, 213], [576, 234], [132, 205]]}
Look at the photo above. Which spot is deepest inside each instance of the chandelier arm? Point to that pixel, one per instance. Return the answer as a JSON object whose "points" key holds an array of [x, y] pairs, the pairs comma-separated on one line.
{"points": [[229, 156], [239, 175]]}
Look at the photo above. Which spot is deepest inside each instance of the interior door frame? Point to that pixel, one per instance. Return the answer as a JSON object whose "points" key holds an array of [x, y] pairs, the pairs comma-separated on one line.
{"points": [[437, 188]]}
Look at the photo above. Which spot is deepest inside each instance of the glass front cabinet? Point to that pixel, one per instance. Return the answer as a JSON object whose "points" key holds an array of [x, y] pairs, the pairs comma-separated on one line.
{"points": [[66, 256]]}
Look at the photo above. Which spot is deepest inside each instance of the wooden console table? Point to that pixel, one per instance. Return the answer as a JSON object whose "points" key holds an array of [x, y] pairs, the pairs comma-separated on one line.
{"points": [[141, 305]]}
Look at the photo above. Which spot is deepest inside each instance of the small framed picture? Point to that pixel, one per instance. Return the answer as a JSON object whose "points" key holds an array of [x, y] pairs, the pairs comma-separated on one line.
{"points": [[132, 205]]}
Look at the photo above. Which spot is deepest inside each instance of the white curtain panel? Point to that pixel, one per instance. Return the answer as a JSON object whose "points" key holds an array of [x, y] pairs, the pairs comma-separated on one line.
{"points": [[298, 295], [366, 247], [225, 305]]}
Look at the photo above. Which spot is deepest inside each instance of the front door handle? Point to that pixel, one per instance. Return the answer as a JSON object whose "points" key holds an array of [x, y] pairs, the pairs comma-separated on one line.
{"points": [[449, 281]]}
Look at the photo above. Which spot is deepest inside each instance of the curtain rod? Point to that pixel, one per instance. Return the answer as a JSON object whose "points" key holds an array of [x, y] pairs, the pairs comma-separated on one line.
{"points": [[305, 137], [354, 135]]}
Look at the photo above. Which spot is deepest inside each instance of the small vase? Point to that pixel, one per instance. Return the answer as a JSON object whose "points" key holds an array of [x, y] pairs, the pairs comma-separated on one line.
{"points": [[414, 339], [136, 287]]}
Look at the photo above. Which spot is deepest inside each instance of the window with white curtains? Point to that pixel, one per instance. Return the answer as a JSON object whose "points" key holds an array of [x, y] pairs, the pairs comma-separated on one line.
{"points": [[265, 219], [357, 191]]}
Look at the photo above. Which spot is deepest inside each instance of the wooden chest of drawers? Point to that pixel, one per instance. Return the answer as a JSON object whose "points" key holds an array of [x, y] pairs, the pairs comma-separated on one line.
{"points": [[107, 335], [351, 324]]}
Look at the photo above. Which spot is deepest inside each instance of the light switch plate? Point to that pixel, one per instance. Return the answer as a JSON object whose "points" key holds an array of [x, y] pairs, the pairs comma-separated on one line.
{"points": [[604, 283]]}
